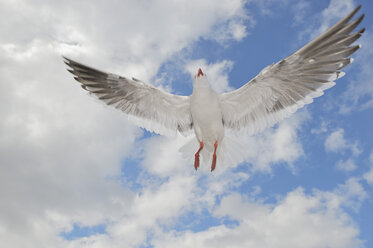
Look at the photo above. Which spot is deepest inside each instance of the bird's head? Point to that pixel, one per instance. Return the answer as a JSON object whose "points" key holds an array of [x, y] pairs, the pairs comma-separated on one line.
{"points": [[199, 74], [200, 80]]}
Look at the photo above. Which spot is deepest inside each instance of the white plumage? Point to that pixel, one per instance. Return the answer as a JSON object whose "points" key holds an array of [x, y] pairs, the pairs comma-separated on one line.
{"points": [[274, 94]]}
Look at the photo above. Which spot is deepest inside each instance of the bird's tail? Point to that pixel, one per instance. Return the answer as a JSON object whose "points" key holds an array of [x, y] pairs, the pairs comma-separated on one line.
{"points": [[232, 153]]}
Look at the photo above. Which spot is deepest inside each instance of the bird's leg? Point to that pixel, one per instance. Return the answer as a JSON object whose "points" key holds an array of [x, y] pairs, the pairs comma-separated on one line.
{"points": [[196, 159], [214, 157]]}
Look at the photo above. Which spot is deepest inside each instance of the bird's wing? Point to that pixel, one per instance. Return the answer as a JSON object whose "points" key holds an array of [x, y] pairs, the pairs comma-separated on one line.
{"points": [[151, 108], [281, 88]]}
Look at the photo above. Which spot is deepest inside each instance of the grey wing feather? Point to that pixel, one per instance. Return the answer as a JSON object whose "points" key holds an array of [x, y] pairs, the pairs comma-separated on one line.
{"points": [[151, 108], [282, 88]]}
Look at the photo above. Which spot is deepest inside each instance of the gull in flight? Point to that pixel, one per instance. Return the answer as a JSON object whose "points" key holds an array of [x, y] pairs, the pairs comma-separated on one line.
{"points": [[274, 94]]}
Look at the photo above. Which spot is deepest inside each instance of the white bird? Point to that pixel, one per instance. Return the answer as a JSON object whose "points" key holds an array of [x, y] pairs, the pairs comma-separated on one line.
{"points": [[274, 94]]}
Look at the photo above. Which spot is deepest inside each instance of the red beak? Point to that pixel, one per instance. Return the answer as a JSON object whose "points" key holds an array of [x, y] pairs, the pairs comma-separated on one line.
{"points": [[200, 73]]}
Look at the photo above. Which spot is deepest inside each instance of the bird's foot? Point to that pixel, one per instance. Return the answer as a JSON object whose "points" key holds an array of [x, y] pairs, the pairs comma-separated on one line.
{"points": [[196, 161], [213, 164], [196, 157]]}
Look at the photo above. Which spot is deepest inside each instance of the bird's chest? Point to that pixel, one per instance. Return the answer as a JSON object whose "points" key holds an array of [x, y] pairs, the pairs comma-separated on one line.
{"points": [[205, 108]]}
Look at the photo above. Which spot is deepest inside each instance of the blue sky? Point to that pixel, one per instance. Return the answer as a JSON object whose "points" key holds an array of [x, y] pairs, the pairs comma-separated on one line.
{"points": [[77, 173]]}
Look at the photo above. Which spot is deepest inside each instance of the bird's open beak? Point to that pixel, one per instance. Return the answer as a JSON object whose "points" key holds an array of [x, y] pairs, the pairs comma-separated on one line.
{"points": [[200, 73]]}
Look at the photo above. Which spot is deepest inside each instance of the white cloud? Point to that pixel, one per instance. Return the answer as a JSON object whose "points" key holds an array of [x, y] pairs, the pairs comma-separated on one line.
{"points": [[152, 208], [232, 30], [60, 153], [322, 129], [351, 193], [142, 34], [336, 142], [300, 9], [167, 194], [276, 145], [359, 94], [369, 175], [162, 157], [348, 165], [287, 223], [297, 220]]}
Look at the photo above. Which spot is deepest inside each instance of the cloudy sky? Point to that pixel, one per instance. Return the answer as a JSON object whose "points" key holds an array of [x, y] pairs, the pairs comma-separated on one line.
{"points": [[76, 173]]}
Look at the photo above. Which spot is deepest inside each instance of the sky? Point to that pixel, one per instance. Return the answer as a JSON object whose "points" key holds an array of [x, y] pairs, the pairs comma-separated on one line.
{"points": [[76, 173]]}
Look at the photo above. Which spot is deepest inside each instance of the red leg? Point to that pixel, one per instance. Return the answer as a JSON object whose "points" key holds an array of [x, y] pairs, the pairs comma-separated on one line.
{"points": [[214, 157], [196, 159]]}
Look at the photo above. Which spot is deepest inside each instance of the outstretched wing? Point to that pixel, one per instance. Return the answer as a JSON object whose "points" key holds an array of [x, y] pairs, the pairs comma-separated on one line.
{"points": [[281, 88], [151, 108]]}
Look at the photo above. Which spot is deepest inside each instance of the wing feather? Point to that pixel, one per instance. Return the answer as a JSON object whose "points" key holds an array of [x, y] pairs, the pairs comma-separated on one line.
{"points": [[149, 107], [282, 88]]}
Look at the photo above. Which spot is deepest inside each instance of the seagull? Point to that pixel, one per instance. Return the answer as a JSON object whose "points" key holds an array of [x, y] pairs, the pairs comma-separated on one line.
{"points": [[274, 94]]}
